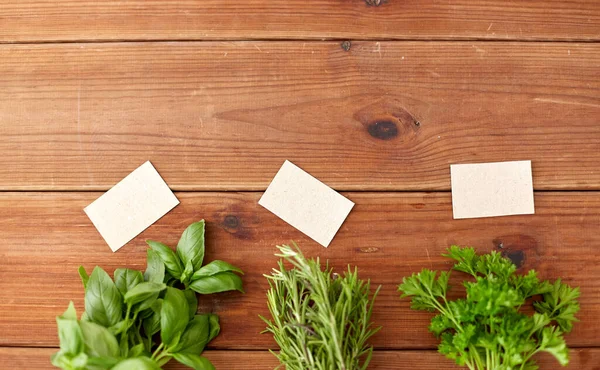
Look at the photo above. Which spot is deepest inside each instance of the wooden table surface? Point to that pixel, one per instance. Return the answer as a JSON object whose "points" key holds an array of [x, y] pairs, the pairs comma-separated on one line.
{"points": [[218, 93]]}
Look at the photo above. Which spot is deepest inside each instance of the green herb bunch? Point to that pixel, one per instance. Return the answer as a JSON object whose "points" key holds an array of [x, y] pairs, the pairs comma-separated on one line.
{"points": [[143, 320], [487, 329], [321, 320]]}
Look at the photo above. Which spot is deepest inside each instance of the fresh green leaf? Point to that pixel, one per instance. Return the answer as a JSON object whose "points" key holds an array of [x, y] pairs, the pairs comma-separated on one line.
{"points": [[119, 327], [151, 324], [554, 343], [215, 327], [320, 320], [191, 245], [173, 316], [155, 270], [143, 291], [487, 329], [94, 363], [124, 344], [138, 350], [163, 361], [84, 276], [187, 273], [138, 363], [195, 337], [69, 332], [194, 361], [80, 361], [220, 282], [172, 263], [103, 302], [214, 268], [192, 300], [99, 341], [127, 279], [144, 305]]}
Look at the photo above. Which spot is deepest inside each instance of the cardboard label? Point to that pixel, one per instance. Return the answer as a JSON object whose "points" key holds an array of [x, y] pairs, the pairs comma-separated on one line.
{"points": [[131, 206], [492, 189], [306, 203]]}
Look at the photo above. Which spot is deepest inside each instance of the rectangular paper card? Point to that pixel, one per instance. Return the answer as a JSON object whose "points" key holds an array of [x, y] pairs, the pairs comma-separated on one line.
{"points": [[306, 203], [492, 189], [132, 205]]}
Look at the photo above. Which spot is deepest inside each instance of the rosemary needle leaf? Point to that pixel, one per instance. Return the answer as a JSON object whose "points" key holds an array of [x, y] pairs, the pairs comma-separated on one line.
{"points": [[320, 320]]}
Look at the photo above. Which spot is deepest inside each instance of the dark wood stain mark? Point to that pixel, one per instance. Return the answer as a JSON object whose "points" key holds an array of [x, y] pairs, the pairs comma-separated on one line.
{"points": [[346, 45], [387, 120], [418, 205], [234, 224], [231, 221], [383, 130], [519, 248]]}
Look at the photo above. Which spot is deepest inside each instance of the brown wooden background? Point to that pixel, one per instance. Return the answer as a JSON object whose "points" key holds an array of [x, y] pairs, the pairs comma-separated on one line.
{"points": [[218, 93]]}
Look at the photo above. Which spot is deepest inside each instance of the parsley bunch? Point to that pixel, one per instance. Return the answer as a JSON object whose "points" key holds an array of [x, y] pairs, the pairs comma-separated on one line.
{"points": [[487, 329], [143, 320], [321, 320]]}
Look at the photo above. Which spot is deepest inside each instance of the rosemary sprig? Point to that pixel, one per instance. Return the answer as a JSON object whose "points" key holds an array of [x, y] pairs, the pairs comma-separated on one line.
{"points": [[320, 320]]}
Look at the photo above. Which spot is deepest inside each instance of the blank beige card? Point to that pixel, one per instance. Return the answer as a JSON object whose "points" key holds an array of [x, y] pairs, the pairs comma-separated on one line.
{"points": [[306, 203], [492, 189], [131, 206]]}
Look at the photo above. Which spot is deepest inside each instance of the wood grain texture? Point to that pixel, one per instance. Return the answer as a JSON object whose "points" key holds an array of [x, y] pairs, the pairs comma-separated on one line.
{"points": [[68, 20], [38, 359], [46, 236], [224, 116]]}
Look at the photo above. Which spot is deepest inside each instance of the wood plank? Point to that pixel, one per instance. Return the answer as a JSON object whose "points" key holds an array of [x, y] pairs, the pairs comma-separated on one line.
{"points": [[38, 358], [383, 116], [62, 20], [46, 236]]}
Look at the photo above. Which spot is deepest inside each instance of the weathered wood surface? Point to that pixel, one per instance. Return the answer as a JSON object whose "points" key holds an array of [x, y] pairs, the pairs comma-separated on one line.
{"points": [[62, 20], [37, 359], [224, 116], [46, 236]]}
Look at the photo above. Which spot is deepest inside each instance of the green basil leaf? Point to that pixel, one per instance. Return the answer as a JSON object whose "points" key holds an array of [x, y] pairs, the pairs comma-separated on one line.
{"points": [[146, 304], [99, 341], [69, 332], [138, 363], [155, 270], [103, 302], [127, 279], [221, 282], [214, 268], [84, 276], [172, 263], [84, 317], [164, 360], [191, 245], [173, 316], [187, 273], [101, 362], [70, 313], [137, 350], [124, 344], [151, 324], [196, 362], [192, 300], [119, 327], [143, 291], [79, 361], [194, 338], [60, 360], [215, 328]]}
